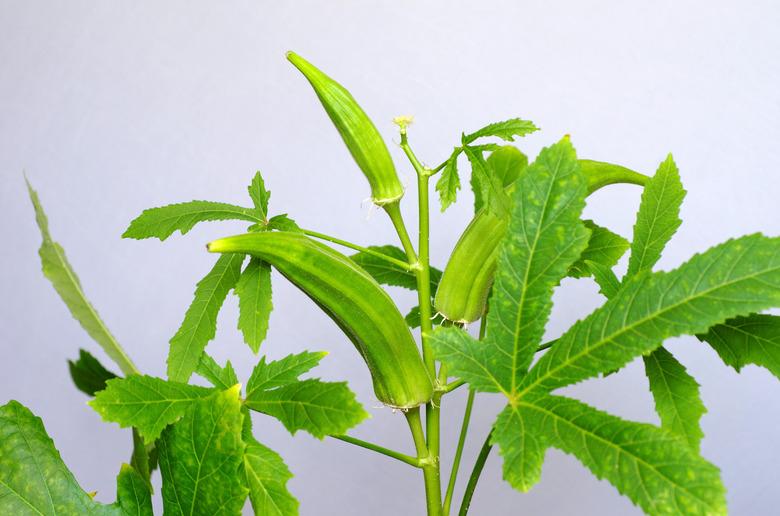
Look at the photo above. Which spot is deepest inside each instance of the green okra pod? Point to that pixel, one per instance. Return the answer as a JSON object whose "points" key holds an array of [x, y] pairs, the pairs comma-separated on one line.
{"points": [[358, 132], [464, 287], [355, 302]]}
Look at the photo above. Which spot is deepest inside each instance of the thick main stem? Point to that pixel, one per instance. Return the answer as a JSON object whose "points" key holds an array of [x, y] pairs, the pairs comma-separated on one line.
{"points": [[429, 463]]}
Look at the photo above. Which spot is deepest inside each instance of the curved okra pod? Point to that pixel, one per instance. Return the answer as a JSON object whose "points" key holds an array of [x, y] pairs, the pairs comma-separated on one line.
{"points": [[358, 132], [355, 302], [468, 276]]}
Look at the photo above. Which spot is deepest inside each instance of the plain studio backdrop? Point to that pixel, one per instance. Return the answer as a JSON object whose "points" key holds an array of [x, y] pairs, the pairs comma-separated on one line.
{"points": [[113, 107]]}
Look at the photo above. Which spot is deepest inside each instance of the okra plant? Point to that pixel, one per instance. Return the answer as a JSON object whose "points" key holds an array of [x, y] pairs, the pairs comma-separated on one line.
{"points": [[527, 234]]}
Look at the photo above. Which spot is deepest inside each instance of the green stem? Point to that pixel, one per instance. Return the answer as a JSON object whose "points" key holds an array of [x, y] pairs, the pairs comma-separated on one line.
{"points": [[458, 453], [453, 385], [389, 259], [430, 464], [408, 459], [475, 473]]}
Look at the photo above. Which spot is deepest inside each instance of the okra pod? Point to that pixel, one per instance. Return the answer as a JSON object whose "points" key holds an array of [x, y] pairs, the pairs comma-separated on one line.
{"points": [[355, 302], [358, 132], [468, 276]]}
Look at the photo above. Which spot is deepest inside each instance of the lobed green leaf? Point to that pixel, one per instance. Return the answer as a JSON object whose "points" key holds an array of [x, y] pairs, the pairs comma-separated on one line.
{"points": [[88, 374], [146, 403], [449, 182], [35, 480], [62, 276], [737, 277], [201, 458], [254, 302], [259, 195], [604, 248], [267, 476], [200, 321], [676, 394], [506, 130], [218, 376], [162, 222], [387, 273], [657, 470], [754, 339], [658, 217]]}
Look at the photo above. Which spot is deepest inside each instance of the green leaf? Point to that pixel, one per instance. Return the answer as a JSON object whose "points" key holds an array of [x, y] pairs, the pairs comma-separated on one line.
{"points": [[57, 269], [284, 223], [604, 248], [543, 239], [34, 480], [254, 302], [488, 189], [506, 130], [658, 217], [278, 373], [737, 277], [413, 317], [88, 374], [162, 222], [449, 182], [143, 458], [267, 476], [201, 457], [320, 408], [134, 496], [149, 404], [200, 321], [387, 273], [259, 195], [506, 164], [676, 394], [476, 362], [657, 470], [220, 377], [754, 339], [608, 283]]}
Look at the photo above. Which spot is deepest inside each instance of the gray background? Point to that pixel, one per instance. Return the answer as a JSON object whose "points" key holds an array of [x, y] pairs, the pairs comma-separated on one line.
{"points": [[113, 107]]}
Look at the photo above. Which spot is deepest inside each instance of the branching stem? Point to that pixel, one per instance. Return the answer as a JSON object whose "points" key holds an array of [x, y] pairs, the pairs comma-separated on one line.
{"points": [[408, 459]]}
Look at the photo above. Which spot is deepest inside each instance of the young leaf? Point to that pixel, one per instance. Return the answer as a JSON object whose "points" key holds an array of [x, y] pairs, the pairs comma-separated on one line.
{"points": [[254, 302], [34, 480], [62, 276], [543, 239], [604, 247], [88, 374], [658, 217], [449, 182], [284, 223], [655, 469], [267, 476], [387, 273], [220, 377], [320, 408], [608, 283], [259, 195], [737, 277], [278, 373], [754, 339], [201, 456], [488, 189], [506, 130], [506, 164], [200, 321], [143, 458], [162, 222], [676, 395], [149, 404]]}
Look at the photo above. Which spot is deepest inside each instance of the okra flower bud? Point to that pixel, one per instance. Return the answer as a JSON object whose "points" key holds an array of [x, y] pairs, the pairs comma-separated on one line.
{"points": [[358, 132], [465, 285], [355, 302]]}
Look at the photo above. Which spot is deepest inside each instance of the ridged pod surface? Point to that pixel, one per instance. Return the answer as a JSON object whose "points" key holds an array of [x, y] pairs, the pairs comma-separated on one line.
{"points": [[355, 302], [358, 132], [468, 276]]}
